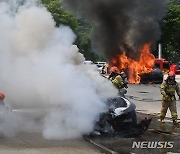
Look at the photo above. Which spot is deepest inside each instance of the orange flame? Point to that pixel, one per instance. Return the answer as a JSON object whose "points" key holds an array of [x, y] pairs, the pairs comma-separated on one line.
{"points": [[136, 68]]}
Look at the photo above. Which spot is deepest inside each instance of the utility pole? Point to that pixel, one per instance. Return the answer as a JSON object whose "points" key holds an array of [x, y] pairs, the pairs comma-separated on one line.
{"points": [[159, 51]]}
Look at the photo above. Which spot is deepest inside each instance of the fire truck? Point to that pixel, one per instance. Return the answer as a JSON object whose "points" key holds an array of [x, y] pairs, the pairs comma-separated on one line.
{"points": [[175, 68], [163, 65]]}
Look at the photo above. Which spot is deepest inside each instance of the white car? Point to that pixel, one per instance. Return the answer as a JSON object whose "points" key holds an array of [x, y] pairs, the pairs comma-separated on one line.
{"points": [[100, 64], [88, 62]]}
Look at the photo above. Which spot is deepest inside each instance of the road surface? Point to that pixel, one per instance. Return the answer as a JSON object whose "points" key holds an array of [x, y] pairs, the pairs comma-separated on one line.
{"points": [[148, 98], [32, 143]]}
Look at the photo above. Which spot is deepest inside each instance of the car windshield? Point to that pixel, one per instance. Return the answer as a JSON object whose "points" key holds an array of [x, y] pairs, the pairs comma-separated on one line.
{"points": [[166, 65], [156, 66], [178, 66], [116, 102]]}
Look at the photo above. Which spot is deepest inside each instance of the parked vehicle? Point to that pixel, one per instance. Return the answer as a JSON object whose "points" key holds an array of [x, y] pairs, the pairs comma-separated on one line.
{"points": [[101, 67], [88, 62], [100, 64]]}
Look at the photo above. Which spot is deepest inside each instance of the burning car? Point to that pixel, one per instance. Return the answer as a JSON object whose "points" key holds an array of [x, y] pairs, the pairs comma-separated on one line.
{"points": [[120, 119], [156, 76]]}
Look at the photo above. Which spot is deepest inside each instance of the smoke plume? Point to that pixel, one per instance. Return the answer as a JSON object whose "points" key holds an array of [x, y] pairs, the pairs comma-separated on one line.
{"points": [[46, 84], [121, 25]]}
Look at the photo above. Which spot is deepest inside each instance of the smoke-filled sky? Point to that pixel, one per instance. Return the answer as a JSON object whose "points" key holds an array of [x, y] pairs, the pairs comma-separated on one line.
{"points": [[121, 25], [43, 76]]}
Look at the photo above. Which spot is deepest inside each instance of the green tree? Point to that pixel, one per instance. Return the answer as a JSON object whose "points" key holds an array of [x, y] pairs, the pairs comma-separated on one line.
{"points": [[171, 32], [83, 41], [80, 27], [59, 14]]}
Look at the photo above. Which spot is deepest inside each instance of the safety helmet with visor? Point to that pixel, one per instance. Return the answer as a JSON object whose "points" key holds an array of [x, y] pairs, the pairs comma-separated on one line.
{"points": [[171, 75], [114, 69]]}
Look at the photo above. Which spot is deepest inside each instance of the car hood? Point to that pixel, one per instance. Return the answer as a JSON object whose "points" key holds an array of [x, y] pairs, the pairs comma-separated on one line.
{"points": [[120, 105]]}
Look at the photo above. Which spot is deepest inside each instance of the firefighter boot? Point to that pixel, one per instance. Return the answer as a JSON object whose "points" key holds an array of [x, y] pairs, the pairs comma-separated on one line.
{"points": [[162, 121], [175, 122]]}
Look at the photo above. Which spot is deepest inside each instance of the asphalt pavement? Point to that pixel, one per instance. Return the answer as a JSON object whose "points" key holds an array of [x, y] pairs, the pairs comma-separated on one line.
{"points": [[147, 97], [33, 143]]}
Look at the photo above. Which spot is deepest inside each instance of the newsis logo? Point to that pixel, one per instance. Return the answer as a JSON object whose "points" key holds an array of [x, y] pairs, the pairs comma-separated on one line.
{"points": [[152, 144]]}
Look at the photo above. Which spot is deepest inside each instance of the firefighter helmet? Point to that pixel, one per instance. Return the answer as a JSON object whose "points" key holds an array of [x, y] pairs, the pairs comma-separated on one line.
{"points": [[171, 74], [2, 96], [114, 69]]}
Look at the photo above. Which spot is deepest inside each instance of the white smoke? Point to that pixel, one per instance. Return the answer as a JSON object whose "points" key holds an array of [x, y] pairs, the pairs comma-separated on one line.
{"points": [[43, 76]]}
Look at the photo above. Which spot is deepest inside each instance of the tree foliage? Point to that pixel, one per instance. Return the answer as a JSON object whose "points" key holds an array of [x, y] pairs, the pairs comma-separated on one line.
{"points": [[83, 41], [80, 27], [59, 14], [170, 38]]}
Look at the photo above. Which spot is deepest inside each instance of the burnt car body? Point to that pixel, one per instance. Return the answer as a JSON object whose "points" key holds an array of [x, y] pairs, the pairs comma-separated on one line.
{"points": [[156, 76], [120, 119]]}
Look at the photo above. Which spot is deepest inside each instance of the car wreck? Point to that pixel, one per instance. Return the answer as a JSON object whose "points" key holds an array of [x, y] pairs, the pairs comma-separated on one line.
{"points": [[120, 119], [156, 77]]}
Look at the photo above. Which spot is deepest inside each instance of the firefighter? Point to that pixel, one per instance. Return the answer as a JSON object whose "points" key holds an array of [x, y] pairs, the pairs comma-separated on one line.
{"points": [[168, 88], [118, 79], [106, 69], [2, 96]]}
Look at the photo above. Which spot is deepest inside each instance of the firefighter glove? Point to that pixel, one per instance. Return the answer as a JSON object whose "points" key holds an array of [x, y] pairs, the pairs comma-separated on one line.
{"points": [[166, 96], [126, 86]]}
